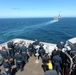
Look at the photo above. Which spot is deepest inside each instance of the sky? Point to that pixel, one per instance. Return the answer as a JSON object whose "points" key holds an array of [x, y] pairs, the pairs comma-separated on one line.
{"points": [[37, 8]]}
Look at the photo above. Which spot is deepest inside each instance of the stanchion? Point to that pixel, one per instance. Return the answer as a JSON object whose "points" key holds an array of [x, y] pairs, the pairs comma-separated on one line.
{"points": [[37, 54]]}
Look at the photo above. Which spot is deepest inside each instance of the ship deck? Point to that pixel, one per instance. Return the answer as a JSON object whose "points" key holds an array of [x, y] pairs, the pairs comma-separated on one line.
{"points": [[31, 68]]}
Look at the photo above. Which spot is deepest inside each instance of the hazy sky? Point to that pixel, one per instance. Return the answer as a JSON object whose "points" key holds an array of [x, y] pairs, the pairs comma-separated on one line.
{"points": [[37, 8]]}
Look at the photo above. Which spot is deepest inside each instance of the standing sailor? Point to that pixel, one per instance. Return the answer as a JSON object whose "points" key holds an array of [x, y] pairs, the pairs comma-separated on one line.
{"points": [[53, 53], [24, 52], [30, 49], [41, 49], [4, 52], [45, 60], [34, 46], [57, 61], [18, 58], [60, 45], [17, 47], [11, 48]]}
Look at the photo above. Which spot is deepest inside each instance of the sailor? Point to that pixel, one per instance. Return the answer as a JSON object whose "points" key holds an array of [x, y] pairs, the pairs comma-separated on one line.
{"points": [[18, 58], [54, 52], [36, 42], [41, 45], [50, 66], [30, 49], [24, 52], [57, 61], [41, 49], [34, 46], [17, 47], [4, 52], [50, 72], [7, 66], [45, 60], [11, 48], [60, 45]]}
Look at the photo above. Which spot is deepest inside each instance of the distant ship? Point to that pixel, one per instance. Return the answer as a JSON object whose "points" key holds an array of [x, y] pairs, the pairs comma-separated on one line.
{"points": [[57, 18]]}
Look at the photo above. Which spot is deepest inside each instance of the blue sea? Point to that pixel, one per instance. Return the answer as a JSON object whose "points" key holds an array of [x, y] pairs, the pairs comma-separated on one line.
{"points": [[43, 29]]}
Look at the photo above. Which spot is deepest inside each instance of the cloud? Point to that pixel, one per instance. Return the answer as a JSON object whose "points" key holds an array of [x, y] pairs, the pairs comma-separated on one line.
{"points": [[16, 8]]}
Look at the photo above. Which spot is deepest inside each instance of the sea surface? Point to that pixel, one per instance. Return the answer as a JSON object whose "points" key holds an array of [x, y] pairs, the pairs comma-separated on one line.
{"points": [[43, 29]]}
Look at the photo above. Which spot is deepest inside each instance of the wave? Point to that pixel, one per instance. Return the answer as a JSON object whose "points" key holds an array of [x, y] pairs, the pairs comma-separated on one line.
{"points": [[27, 28]]}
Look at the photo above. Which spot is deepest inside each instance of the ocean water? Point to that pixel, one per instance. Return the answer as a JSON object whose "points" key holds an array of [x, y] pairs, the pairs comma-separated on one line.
{"points": [[43, 29]]}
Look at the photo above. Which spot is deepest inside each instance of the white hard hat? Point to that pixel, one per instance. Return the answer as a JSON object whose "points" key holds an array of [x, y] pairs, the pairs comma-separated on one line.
{"points": [[68, 47]]}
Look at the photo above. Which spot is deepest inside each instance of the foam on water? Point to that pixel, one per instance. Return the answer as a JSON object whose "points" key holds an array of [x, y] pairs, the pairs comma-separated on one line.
{"points": [[17, 32], [43, 29]]}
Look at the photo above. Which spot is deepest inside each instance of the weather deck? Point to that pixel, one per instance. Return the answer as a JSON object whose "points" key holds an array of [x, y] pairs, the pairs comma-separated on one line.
{"points": [[31, 68]]}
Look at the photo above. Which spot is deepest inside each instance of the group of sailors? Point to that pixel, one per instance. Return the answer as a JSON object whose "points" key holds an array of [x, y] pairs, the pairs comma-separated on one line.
{"points": [[58, 62], [51, 64], [18, 53]]}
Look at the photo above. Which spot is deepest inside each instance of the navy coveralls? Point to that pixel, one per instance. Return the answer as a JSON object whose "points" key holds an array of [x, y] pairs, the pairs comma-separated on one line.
{"points": [[18, 58], [8, 66], [57, 61], [34, 49], [24, 53], [11, 49], [17, 48], [41, 50], [4, 54]]}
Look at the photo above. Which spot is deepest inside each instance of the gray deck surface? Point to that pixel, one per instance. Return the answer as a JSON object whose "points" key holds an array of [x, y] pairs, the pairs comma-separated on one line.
{"points": [[32, 68]]}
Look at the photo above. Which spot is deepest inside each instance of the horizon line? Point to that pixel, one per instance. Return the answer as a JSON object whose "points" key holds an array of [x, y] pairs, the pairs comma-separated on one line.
{"points": [[39, 17]]}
